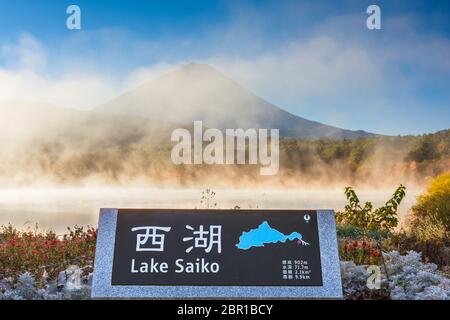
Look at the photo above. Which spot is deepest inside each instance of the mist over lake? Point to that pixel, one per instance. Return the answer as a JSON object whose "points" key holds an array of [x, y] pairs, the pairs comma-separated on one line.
{"points": [[57, 208]]}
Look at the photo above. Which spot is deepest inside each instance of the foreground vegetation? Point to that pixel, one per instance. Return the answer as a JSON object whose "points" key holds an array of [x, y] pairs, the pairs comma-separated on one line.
{"points": [[44, 254], [367, 236], [427, 229]]}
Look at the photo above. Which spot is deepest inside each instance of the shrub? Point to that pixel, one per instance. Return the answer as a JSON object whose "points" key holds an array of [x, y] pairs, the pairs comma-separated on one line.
{"points": [[410, 279], [430, 219], [207, 200], [360, 252], [352, 232], [44, 254], [383, 219], [354, 283], [430, 228]]}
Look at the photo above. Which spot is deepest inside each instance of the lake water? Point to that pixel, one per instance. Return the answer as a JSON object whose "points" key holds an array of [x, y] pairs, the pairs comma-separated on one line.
{"points": [[57, 208]]}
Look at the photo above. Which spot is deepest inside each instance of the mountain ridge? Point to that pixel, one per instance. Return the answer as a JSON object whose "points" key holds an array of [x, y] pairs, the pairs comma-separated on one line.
{"points": [[200, 92]]}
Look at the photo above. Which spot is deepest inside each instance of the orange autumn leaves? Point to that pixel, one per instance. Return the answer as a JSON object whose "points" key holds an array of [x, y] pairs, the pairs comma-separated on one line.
{"points": [[44, 253]]}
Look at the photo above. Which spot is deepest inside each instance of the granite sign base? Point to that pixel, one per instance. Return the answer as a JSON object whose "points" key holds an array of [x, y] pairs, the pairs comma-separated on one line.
{"points": [[299, 261]]}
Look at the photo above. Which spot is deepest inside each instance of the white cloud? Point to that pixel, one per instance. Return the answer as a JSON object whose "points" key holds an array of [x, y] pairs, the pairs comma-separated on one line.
{"points": [[317, 67], [74, 91], [23, 77], [27, 53]]}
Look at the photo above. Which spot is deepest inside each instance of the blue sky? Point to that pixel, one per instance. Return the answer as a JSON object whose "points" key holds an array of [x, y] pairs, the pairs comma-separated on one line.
{"points": [[315, 59]]}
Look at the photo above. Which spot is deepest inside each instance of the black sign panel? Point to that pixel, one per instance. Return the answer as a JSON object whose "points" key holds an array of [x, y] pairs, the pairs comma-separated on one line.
{"points": [[217, 248]]}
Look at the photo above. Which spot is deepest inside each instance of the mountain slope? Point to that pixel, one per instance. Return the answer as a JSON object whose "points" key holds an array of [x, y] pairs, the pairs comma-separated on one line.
{"points": [[26, 125], [200, 92]]}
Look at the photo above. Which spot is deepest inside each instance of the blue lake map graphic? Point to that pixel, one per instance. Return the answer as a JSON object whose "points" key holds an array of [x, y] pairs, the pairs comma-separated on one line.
{"points": [[265, 234]]}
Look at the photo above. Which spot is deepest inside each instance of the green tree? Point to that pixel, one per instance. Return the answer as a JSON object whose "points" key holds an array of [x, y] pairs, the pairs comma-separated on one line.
{"points": [[424, 149], [383, 219]]}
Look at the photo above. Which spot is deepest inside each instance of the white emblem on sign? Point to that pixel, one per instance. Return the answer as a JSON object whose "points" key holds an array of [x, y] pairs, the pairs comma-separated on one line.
{"points": [[151, 235], [202, 241]]}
